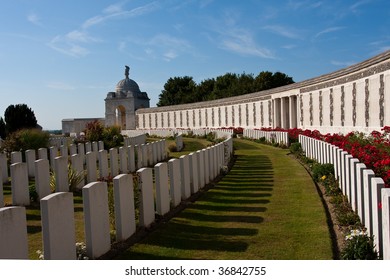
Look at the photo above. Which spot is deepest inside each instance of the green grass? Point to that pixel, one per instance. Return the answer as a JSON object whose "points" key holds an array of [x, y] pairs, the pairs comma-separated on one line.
{"points": [[267, 207]]}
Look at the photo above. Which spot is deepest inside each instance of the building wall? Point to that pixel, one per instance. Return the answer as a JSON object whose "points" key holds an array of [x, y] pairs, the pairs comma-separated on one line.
{"points": [[351, 99]]}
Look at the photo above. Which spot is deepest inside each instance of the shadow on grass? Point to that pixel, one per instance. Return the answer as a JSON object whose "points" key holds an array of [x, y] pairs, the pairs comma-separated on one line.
{"points": [[222, 220]]}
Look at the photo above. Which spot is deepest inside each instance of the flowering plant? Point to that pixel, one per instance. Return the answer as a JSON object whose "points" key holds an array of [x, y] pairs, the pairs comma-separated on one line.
{"points": [[359, 246]]}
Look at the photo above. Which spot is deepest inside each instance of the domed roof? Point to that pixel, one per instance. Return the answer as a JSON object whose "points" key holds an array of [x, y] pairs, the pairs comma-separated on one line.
{"points": [[127, 85]]}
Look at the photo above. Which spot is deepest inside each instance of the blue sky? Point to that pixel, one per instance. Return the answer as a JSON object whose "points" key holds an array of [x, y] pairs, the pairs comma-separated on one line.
{"points": [[62, 57]]}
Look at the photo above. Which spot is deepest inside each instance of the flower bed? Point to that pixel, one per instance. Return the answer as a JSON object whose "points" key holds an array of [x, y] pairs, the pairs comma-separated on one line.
{"points": [[371, 149]]}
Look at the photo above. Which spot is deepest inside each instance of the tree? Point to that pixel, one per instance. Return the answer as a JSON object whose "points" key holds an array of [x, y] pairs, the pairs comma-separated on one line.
{"points": [[19, 116], [2, 129], [177, 90], [181, 90]]}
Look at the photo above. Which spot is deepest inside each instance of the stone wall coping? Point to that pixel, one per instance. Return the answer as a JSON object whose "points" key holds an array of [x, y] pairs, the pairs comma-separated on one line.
{"points": [[376, 64]]}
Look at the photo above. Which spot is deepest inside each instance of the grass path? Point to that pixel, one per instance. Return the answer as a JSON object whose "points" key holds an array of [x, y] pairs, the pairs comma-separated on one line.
{"points": [[267, 207]]}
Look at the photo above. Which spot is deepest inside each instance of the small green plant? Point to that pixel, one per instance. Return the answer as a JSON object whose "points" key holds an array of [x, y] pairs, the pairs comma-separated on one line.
{"points": [[320, 170], [359, 246], [33, 193], [81, 252], [74, 179], [296, 148]]}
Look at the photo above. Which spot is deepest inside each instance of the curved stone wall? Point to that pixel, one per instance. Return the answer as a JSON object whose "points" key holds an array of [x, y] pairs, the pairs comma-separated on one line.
{"points": [[355, 98]]}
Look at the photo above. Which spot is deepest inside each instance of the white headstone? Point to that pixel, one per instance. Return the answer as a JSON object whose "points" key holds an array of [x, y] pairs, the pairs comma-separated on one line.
{"points": [[175, 181], [96, 219], [19, 184], [145, 185], [162, 188], [13, 233], [124, 206], [42, 177], [58, 228], [61, 174], [185, 177]]}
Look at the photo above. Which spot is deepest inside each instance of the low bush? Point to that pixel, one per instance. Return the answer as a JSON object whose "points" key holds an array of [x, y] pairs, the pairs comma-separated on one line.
{"points": [[320, 170], [26, 139], [359, 246]]}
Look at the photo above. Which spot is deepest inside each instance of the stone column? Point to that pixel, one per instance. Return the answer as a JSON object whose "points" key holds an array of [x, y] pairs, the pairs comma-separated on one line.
{"points": [[277, 112], [285, 112], [293, 111]]}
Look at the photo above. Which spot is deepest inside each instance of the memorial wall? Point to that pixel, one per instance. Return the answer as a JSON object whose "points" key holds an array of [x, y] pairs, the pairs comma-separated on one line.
{"points": [[355, 98]]}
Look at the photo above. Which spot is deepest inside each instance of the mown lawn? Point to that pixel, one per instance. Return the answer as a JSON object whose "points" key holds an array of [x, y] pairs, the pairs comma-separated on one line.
{"points": [[267, 207]]}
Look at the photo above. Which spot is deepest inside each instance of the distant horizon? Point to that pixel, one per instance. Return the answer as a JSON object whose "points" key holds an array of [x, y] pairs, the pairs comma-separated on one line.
{"points": [[71, 58]]}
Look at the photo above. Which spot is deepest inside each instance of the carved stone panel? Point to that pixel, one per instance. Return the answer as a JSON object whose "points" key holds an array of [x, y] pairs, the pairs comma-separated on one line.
{"points": [[342, 106], [367, 102], [193, 118], [254, 115], [212, 117], [239, 115], [311, 109], [261, 114], [226, 116], [354, 104], [188, 118], [247, 114], [381, 100], [233, 117], [219, 117], [331, 106], [320, 101], [301, 108]]}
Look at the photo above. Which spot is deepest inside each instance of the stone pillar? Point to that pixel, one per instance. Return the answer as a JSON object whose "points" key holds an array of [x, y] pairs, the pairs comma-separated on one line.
{"points": [[58, 228], [96, 219], [42, 177], [13, 232], [19, 184], [293, 111], [277, 112], [285, 112], [124, 206], [162, 188], [146, 208]]}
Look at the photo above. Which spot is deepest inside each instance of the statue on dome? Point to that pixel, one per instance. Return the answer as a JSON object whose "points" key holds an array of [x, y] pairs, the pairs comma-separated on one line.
{"points": [[127, 71]]}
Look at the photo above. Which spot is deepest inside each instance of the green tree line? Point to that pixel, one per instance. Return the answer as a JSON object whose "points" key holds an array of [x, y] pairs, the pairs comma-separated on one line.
{"points": [[182, 90]]}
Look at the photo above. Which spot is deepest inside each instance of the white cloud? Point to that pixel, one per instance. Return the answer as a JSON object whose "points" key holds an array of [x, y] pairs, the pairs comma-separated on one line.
{"points": [[241, 41], [329, 30], [283, 31], [34, 19], [116, 11], [66, 46]]}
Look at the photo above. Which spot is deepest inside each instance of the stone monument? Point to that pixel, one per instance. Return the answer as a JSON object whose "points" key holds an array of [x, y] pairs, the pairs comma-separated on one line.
{"points": [[122, 104]]}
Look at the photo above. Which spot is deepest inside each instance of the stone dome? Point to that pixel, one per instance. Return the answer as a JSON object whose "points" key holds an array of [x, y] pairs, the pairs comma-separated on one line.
{"points": [[127, 85]]}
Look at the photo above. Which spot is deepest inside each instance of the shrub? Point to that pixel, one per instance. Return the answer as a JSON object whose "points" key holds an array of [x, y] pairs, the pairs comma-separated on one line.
{"points": [[359, 246], [26, 139], [112, 137], [320, 170], [296, 148]]}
